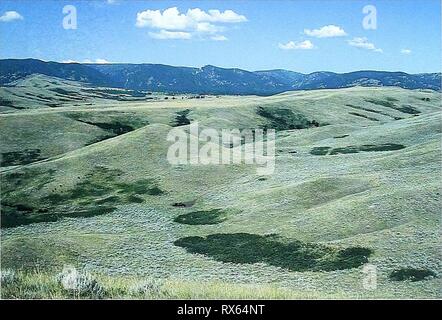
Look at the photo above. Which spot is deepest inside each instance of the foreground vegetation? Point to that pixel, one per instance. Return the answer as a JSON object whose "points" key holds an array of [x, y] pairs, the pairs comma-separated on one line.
{"points": [[43, 285], [36, 284]]}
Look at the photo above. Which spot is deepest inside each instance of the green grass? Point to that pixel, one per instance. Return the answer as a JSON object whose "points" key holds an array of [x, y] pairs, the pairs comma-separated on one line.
{"points": [[389, 104], [44, 285], [374, 111]]}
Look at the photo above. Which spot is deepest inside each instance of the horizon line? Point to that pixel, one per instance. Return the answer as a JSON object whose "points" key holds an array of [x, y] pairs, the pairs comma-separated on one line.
{"points": [[211, 65]]}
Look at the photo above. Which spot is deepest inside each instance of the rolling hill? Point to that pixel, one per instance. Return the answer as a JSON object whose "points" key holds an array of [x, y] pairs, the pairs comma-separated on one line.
{"points": [[87, 183]]}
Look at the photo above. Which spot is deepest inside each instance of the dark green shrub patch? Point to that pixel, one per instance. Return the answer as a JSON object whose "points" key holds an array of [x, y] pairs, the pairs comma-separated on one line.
{"points": [[293, 255], [408, 109], [285, 119], [213, 216], [68, 95], [116, 128], [373, 111], [15, 158], [9, 103], [363, 116], [384, 103], [63, 91], [381, 147], [411, 274], [134, 199], [155, 191], [403, 108], [344, 150], [96, 193], [114, 124], [54, 105], [181, 118], [320, 151], [186, 204], [143, 186]]}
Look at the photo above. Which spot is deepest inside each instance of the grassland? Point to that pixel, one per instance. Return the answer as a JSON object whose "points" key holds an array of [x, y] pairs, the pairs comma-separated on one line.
{"points": [[85, 182]]}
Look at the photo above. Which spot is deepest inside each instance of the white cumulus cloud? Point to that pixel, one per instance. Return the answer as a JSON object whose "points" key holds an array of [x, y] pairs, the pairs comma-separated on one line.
{"points": [[9, 16], [101, 61], [98, 61], [194, 23], [291, 45], [219, 38], [170, 19], [363, 43], [164, 34], [228, 16], [406, 51], [326, 32]]}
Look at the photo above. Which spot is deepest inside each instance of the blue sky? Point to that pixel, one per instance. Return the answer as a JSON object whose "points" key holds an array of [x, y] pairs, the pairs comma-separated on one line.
{"points": [[302, 36]]}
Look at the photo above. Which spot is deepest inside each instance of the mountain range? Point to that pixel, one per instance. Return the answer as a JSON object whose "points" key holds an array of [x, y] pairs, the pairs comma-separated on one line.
{"points": [[209, 79]]}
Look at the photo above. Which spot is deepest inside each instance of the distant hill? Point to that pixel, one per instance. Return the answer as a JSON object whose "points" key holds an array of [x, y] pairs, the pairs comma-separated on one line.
{"points": [[210, 79], [16, 69]]}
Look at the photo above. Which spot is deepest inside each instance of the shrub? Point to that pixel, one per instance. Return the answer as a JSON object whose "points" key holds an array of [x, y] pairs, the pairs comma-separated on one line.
{"points": [[80, 284], [289, 254], [149, 288], [213, 216], [8, 277], [285, 119], [411, 274]]}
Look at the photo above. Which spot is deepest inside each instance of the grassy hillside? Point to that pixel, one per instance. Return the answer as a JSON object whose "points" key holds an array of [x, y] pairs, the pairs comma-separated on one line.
{"points": [[357, 180]]}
